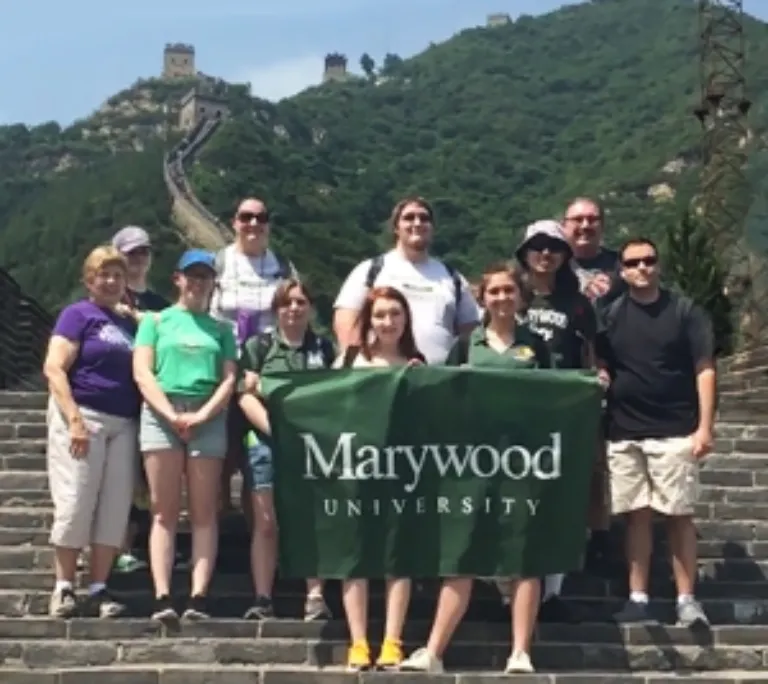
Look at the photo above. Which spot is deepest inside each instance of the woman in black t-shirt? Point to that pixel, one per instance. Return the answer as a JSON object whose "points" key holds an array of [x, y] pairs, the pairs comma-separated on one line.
{"points": [[564, 317]]}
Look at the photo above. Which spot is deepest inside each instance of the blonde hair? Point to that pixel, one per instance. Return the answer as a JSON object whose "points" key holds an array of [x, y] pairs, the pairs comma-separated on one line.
{"points": [[100, 257]]}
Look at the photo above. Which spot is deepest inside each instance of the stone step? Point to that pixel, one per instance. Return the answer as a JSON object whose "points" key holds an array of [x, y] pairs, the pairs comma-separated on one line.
{"points": [[286, 674], [748, 378], [484, 648], [235, 580], [757, 356], [486, 607], [23, 400]]}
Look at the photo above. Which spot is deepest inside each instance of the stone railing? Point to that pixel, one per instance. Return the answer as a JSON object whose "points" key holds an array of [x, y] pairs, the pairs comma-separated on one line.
{"points": [[198, 225], [24, 331]]}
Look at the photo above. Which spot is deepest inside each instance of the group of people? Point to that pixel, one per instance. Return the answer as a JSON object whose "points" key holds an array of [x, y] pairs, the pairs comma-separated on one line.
{"points": [[130, 374]]}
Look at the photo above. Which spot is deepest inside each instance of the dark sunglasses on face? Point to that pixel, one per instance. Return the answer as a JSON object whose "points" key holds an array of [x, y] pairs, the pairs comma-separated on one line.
{"points": [[553, 246], [140, 251], [647, 260], [260, 217], [424, 217]]}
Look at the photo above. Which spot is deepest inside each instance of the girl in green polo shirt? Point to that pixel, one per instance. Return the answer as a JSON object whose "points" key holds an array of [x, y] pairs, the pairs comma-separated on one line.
{"points": [[293, 346], [500, 342]]}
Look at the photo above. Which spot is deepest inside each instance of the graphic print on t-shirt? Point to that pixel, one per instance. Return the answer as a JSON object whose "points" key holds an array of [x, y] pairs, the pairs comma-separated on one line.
{"points": [[113, 335], [565, 322]]}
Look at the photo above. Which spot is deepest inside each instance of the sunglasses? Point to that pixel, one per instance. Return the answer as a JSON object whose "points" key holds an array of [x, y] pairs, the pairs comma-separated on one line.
{"points": [[260, 217], [634, 263], [424, 217], [552, 246], [140, 251]]}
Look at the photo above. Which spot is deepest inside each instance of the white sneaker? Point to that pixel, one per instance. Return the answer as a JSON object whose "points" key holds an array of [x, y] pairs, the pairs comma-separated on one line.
{"points": [[422, 660], [519, 663]]}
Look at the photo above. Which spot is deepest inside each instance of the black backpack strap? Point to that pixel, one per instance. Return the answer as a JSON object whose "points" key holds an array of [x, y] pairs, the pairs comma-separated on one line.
{"points": [[263, 345], [219, 262], [285, 269], [377, 263], [350, 354], [456, 278], [326, 349], [611, 311], [683, 307]]}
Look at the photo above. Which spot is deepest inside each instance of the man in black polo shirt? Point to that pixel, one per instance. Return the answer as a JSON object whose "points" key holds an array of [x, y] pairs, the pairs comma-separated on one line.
{"points": [[658, 348]]}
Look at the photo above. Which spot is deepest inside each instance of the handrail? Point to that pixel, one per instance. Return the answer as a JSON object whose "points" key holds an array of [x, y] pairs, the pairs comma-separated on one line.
{"points": [[25, 327]]}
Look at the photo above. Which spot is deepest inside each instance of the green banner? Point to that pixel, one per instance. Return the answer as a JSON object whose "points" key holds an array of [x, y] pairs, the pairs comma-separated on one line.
{"points": [[432, 471]]}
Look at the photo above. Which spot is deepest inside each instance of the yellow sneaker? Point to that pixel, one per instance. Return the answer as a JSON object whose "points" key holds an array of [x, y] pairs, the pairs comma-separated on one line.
{"points": [[359, 657], [391, 654]]}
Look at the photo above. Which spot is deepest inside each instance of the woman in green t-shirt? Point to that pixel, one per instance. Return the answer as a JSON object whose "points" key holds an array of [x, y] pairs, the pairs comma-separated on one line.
{"points": [[185, 366], [500, 342]]}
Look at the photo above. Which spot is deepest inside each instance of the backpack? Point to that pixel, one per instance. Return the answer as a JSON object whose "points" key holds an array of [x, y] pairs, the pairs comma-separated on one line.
{"points": [[266, 340], [683, 307], [377, 263], [284, 272]]}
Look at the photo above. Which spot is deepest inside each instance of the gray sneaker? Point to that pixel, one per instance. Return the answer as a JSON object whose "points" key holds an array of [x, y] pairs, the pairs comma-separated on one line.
{"points": [[315, 608], [691, 614], [63, 604]]}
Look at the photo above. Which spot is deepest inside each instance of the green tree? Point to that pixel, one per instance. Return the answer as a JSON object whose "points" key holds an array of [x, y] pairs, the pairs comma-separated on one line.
{"points": [[368, 66], [693, 266], [391, 64]]}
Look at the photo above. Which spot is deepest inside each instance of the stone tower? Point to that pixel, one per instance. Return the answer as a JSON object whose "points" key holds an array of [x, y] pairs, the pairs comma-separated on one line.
{"points": [[335, 67], [178, 61], [498, 19]]}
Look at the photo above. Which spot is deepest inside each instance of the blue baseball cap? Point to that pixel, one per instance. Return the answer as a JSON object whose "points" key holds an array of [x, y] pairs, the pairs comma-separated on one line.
{"points": [[196, 257]]}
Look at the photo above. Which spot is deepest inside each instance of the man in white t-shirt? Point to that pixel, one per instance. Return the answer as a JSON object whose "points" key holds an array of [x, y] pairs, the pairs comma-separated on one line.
{"points": [[248, 273], [442, 305]]}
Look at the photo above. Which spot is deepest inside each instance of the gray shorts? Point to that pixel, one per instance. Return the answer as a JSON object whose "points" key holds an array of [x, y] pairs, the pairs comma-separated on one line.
{"points": [[209, 440]]}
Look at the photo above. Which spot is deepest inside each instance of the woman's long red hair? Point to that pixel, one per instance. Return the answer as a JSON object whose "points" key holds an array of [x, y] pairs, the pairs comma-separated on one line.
{"points": [[407, 344]]}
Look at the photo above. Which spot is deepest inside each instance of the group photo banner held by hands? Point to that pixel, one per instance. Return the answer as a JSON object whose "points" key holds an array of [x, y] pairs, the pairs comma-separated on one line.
{"points": [[432, 471]]}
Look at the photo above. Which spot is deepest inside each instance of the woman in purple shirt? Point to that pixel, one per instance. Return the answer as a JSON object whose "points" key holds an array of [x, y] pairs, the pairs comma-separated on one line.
{"points": [[92, 432]]}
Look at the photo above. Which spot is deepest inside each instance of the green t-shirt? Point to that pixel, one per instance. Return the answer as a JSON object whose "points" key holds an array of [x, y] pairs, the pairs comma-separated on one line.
{"points": [[269, 353], [527, 351], [190, 349]]}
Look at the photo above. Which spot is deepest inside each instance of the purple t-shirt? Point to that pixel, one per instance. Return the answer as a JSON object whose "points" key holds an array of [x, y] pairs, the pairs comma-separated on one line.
{"points": [[102, 375]]}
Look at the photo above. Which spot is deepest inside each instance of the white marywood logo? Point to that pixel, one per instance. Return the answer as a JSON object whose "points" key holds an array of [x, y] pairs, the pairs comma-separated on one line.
{"points": [[368, 462]]}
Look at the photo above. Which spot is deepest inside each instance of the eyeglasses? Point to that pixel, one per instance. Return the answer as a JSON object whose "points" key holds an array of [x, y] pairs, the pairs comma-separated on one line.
{"points": [[588, 218], [424, 217], [140, 251], [260, 217], [634, 263]]}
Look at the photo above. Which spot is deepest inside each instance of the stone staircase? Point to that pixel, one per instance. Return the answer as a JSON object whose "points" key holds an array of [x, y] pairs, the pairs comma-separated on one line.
{"points": [[733, 526]]}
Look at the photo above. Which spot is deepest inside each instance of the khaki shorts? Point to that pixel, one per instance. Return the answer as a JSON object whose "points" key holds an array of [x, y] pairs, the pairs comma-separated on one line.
{"points": [[658, 473]]}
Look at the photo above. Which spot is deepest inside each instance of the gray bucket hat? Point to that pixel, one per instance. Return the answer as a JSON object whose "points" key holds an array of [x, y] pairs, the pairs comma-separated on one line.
{"points": [[546, 228]]}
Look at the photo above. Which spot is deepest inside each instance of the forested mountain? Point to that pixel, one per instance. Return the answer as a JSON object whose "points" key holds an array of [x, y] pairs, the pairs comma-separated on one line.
{"points": [[498, 126]]}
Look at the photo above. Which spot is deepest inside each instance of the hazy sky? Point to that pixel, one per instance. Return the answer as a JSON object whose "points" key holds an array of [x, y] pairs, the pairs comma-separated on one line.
{"points": [[60, 60]]}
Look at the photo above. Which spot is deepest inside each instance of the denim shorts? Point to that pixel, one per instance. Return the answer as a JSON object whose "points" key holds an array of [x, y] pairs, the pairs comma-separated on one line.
{"points": [[260, 475], [208, 440]]}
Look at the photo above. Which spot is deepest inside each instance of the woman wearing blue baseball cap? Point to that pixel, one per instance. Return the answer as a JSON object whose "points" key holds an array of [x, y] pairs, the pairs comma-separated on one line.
{"points": [[185, 367]]}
